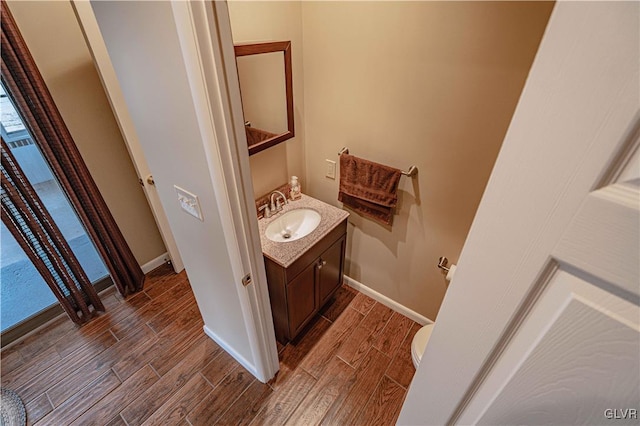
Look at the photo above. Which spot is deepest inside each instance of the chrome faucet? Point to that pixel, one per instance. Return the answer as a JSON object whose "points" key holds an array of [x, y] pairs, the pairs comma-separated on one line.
{"points": [[267, 211], [276, 206]]}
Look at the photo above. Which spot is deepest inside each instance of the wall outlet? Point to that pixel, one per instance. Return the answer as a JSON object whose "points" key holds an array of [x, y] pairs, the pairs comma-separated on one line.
{"points": [[331, 169], [189, 202]]}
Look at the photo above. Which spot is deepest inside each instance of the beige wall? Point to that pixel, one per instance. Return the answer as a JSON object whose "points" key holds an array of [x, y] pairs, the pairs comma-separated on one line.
{"points": [[430, 84], [275, 21], [59, 49]]}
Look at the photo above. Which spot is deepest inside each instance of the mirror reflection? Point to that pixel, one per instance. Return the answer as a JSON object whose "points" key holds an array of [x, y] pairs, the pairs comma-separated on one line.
{"points": [[264, 72], [264, 97]]}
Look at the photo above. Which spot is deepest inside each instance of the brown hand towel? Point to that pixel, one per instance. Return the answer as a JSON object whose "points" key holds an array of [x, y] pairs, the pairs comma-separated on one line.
{"points": [[255, 136], [369, 188]]}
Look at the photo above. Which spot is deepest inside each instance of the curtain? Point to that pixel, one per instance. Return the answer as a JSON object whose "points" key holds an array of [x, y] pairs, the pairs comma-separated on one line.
{"points": [[34, 102], [35, 231]]}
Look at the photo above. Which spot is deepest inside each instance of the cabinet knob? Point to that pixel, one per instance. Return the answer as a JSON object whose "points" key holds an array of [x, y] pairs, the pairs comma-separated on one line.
{"points": [[321, 263]]}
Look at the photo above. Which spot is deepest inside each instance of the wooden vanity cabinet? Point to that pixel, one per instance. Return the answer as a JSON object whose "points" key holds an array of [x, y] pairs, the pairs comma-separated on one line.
{"points": [[298, 292]]}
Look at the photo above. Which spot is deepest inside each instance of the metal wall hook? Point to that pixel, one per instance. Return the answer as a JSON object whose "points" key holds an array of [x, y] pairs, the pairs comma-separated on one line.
{"points": [[443, 263]]}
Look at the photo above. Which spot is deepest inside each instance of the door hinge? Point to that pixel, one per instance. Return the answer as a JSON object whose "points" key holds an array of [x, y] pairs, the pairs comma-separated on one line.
{"points": [[246, 280]]}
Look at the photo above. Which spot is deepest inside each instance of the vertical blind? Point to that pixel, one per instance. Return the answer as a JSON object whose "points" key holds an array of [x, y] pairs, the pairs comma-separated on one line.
{"points": [[35, 231]]}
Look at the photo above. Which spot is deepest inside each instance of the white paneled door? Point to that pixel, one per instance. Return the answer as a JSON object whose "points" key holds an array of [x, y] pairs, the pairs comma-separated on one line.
{"points": [[541, 324], [98, 49], [573, 355]]}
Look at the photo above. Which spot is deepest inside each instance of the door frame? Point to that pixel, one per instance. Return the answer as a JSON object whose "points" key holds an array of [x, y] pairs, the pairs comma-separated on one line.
{"points": [[577, 115], [204, 30]]}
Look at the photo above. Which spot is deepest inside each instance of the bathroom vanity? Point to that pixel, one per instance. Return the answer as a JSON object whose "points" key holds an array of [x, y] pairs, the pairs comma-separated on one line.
{"points": [[303, 274]]}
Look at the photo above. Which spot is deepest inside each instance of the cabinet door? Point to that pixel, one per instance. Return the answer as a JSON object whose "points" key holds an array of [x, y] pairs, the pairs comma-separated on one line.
{"points": [[301, 299], [330, 265]]}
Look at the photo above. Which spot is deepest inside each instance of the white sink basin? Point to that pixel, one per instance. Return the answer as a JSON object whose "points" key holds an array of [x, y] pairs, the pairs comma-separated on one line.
{"points": [[293, 225]]}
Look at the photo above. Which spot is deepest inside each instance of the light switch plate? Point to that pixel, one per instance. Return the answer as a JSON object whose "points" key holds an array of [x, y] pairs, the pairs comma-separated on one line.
{"points": [[189, 202], [331, 169]]}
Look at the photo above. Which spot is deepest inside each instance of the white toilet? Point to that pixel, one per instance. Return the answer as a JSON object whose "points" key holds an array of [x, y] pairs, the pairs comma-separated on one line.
{"points": [[421, 338], [419, 343]]}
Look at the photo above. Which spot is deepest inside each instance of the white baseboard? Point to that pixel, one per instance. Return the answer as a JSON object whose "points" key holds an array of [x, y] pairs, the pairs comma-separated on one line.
{"points": [[401, 309], [246, 364], [154, 263]]}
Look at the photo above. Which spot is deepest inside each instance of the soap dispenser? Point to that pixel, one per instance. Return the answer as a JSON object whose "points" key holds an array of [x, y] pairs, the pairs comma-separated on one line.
{"points": [[296, 190]]}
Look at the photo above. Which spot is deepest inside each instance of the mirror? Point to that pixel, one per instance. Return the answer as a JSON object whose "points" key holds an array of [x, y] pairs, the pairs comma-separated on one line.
{"points": [[266, 88]]}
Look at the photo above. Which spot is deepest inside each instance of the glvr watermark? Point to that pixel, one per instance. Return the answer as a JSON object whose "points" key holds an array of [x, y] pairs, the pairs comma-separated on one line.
{"points": [[621, 413]]}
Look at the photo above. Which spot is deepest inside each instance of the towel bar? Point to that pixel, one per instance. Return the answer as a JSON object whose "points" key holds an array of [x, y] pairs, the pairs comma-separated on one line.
{"points": [[413, 170]]}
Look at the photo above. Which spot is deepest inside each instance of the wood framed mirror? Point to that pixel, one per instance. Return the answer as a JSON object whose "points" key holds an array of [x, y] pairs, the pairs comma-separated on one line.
{"points": [[266, 88]]}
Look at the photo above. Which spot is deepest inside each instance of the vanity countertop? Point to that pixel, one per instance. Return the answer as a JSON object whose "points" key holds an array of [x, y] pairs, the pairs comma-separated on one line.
{"points": [[285, 253]]}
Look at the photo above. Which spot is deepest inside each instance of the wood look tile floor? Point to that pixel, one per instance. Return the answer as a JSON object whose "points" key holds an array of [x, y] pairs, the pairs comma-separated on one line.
{"points": [[148, 361]]}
